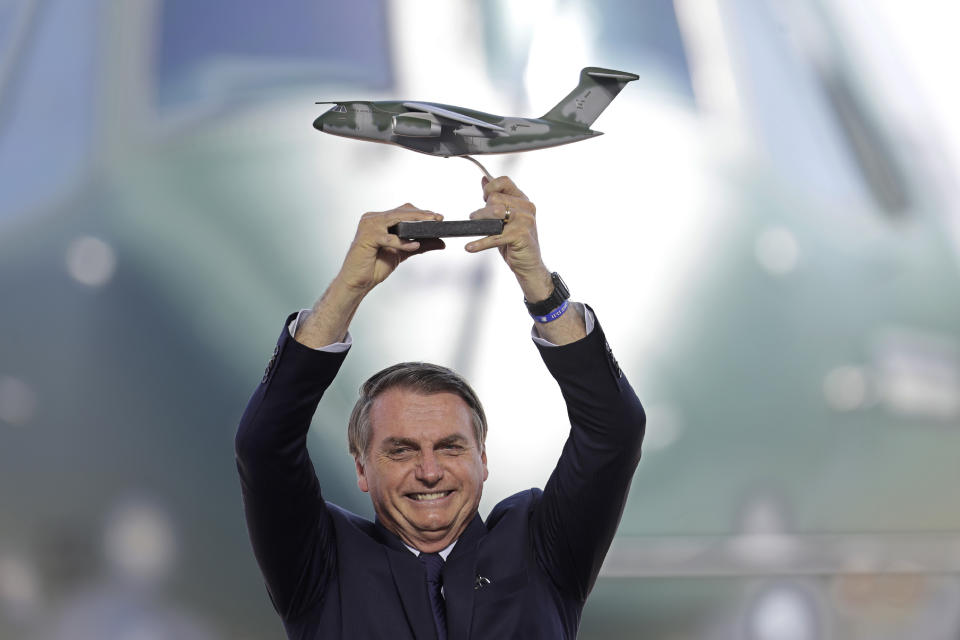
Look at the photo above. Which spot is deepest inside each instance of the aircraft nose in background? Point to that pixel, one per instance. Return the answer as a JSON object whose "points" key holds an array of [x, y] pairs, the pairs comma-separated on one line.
{"points": [[318, 123]]}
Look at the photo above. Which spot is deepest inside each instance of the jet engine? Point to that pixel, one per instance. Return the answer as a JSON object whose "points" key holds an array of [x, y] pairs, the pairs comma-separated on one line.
{"points": [[416, 125]]}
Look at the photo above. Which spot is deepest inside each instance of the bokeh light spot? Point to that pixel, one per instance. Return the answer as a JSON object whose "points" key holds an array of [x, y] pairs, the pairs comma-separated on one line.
{"points": [[91, 261], [19, 585], [18, 402], [783, 614], [140, 542], [777, 251], [845, 388]]}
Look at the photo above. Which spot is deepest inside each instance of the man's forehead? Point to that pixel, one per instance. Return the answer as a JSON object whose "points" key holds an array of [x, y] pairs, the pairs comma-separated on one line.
{"points": [[402, 398], [405, 413]]}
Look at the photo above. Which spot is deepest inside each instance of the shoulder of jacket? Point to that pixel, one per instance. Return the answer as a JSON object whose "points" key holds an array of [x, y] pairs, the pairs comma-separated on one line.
{"points": [[342, 517], [516, 506]]}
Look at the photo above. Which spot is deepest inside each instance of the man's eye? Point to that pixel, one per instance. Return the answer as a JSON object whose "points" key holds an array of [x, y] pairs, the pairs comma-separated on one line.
{"points": [[400, 451], [452, 448]]}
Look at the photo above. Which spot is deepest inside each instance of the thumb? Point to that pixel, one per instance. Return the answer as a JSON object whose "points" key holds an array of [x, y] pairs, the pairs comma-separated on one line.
{"points": [[429, 244]]}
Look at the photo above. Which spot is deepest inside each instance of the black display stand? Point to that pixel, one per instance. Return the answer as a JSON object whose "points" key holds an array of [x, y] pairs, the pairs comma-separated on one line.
{"points": [[419, 230]]}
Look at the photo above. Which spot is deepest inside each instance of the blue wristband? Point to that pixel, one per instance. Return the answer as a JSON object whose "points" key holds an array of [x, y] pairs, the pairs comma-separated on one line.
{"points": [[553, 315]]}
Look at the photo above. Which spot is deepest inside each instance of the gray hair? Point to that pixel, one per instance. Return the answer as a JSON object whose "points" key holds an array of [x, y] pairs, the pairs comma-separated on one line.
{"points": [[419, 377]]}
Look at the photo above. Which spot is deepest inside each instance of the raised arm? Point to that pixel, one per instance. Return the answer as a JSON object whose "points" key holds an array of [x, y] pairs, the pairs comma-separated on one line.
{"points": [[580, 508], [520, 248], [288, 522], [373, 255], [584, 498]]}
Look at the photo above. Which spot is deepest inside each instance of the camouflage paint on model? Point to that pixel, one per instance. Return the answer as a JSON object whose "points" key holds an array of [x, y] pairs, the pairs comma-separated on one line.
{"points": [[444, 130]]}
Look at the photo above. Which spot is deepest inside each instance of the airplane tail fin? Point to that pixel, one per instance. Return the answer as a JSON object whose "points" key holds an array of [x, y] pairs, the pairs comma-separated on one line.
{"points": [[597, 88]]}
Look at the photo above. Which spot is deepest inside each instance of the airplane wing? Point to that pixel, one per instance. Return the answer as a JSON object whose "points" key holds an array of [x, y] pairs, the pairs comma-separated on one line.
{"points": [[440, 112]]}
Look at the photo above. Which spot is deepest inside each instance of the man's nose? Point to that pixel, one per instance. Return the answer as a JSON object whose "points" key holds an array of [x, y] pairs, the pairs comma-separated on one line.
{"points": [[429, 470]]}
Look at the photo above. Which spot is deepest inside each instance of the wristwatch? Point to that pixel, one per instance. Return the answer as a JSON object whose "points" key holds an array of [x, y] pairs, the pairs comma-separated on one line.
{"points": [[554, 300]]}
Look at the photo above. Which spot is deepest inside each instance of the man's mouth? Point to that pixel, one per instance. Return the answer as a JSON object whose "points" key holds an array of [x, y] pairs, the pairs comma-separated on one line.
{"points": [[435, 495]]}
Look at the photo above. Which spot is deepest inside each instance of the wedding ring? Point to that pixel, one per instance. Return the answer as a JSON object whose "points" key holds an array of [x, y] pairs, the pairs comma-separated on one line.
{"points": [[506, 216]]}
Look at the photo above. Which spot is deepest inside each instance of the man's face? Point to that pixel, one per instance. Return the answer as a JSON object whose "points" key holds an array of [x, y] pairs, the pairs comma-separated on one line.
{"points": [[424, 468]]}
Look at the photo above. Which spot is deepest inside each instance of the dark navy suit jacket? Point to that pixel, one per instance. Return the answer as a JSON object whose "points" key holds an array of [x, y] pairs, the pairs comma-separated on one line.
{"points": [[525, 572]]}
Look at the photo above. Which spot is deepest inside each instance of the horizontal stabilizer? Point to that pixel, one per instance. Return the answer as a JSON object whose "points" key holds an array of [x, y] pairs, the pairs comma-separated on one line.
{"points": [[615, 75], [597, 89]]}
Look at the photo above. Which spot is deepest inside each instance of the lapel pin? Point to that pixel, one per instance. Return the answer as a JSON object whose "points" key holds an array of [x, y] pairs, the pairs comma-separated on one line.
{"points": [[480, 582]]}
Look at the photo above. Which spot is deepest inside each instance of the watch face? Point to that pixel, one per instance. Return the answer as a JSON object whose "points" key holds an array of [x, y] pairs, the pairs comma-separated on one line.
{"points": [[556, 297], [561, 286]]}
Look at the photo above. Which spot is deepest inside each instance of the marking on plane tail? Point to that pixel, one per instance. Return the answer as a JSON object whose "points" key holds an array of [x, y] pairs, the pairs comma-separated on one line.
{"points": [[582, 100]]}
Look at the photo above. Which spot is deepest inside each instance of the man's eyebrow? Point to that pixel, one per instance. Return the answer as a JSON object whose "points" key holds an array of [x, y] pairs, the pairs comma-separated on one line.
{"points": [[454, 439], [399, 442]]}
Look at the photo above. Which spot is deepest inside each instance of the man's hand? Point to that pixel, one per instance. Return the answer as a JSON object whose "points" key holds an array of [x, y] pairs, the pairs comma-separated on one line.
{"points": [[518, 244], [375, 252], [373, 255], [520, 248]]}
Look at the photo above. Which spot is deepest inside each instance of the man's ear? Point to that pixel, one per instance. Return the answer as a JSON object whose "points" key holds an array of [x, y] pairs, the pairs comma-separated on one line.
{"points": [[361, 476], [483, 459]]}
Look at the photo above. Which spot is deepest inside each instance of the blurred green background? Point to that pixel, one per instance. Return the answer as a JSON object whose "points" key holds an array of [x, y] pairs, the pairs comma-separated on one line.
{"points": [[768, 232]]}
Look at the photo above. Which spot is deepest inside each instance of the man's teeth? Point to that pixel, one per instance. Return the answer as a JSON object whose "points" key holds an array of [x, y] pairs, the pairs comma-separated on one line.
{"points": [[429, 496]]}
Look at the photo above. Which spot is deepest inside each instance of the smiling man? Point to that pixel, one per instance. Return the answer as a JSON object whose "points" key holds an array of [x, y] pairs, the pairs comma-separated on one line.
{"points": [[418, 453], [429, 566]]}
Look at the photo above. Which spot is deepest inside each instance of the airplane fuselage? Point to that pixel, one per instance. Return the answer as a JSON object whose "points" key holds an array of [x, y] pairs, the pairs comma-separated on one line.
{"points": [[393, 123], [444, 130]]}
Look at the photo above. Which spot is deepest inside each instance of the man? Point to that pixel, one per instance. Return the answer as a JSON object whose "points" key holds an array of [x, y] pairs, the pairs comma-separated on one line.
{"points": [[429, 566]]}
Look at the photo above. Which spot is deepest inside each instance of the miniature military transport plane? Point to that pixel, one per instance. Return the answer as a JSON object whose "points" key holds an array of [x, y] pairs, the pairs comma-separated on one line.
{"points": [[443, 130]]}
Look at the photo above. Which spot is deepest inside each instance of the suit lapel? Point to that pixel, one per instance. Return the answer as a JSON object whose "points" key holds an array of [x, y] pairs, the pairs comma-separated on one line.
{"points": [[410, 580], [459, 576]]}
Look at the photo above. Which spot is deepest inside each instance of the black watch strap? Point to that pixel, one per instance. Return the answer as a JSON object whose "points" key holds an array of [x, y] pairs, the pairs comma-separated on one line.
{"points": [[554, 300]]}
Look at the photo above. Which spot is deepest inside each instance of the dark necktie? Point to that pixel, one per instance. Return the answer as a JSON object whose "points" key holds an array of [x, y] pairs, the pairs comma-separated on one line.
{"points": [[434, 564]]}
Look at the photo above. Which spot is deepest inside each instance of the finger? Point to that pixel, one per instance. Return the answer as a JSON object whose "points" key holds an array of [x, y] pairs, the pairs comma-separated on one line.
{"points": [[376, 223], [486, 243], [405, 212], [383, 219], [504, 185], [390, 241], [489, 211], [408, 206], [428, 244], [513, 203]]}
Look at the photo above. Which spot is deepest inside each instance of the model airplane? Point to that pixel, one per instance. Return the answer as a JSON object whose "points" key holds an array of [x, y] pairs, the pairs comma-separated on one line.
{"points": [[444, 130]]}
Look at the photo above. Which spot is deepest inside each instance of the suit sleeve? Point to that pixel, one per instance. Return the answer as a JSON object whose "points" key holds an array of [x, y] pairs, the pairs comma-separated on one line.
{"points": [[582, 502], [288, 522]]}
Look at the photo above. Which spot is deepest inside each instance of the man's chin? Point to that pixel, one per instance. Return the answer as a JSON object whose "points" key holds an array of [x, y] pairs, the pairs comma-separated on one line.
{"points": [[431, 532]]}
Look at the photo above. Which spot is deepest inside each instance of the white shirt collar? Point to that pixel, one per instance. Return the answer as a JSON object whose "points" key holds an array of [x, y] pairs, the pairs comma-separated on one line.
{"points": [[443, 552]]}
